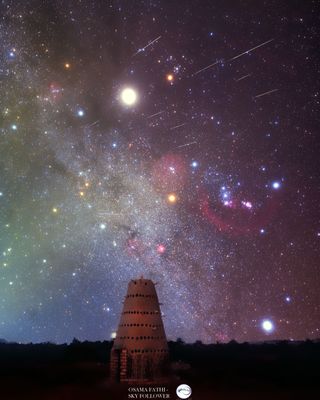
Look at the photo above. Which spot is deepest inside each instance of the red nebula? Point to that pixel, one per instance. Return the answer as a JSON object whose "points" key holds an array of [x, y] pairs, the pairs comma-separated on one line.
{"points": [[237, 220], [55, 91], [169, 172], [161, 248]]}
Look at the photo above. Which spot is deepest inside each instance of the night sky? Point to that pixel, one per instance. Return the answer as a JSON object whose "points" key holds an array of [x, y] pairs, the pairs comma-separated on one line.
{"points": [[174, 140]]}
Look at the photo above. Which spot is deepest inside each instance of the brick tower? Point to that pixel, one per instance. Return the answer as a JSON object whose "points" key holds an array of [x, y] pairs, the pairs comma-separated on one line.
{"points": [[140, 350]]}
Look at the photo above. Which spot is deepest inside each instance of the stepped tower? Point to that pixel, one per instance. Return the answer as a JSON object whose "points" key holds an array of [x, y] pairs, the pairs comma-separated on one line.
{"points": [[140, 350]]}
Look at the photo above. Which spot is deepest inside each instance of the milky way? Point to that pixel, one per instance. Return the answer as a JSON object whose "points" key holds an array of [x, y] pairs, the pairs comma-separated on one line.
{"points": [[177, 142]]}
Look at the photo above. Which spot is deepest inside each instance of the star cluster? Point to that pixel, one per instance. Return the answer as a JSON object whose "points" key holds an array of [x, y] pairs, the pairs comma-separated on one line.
{"points": [[174, 141]]}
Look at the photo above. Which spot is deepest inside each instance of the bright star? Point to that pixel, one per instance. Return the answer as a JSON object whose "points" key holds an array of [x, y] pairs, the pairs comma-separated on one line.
{"points": [[194, 164], [103, 227], [276, 185], [267, 325], [14, 127], [129, 96], [172, 198], [169, 77], [80, 113]]}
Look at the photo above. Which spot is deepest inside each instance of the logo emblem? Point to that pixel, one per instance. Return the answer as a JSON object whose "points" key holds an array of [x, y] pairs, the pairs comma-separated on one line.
{"points": [[183, 391]]}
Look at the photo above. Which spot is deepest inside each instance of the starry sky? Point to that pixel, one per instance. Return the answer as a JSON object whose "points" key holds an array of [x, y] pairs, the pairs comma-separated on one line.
{"points": [[173, 140]]}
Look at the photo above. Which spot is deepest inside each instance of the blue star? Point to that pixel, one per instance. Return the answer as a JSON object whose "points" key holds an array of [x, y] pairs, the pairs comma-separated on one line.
{"points": [[276, 185], [194, 164], [80, 113]]}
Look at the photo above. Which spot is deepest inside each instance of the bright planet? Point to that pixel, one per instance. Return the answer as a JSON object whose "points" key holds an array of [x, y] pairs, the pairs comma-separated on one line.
{"points": [[129, 96]]}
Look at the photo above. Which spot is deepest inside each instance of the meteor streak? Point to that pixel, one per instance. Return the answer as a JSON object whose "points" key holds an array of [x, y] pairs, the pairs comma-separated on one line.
{"points": [[242, 77], [149, 44], [187, 144], [177, 126], [94, 123], [265, 93], [208, 66], [154, 115], [248, 51]]}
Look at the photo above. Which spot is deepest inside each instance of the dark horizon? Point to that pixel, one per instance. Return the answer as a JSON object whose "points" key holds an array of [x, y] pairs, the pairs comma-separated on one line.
{"points": [[221, 371], [3, 341]]}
